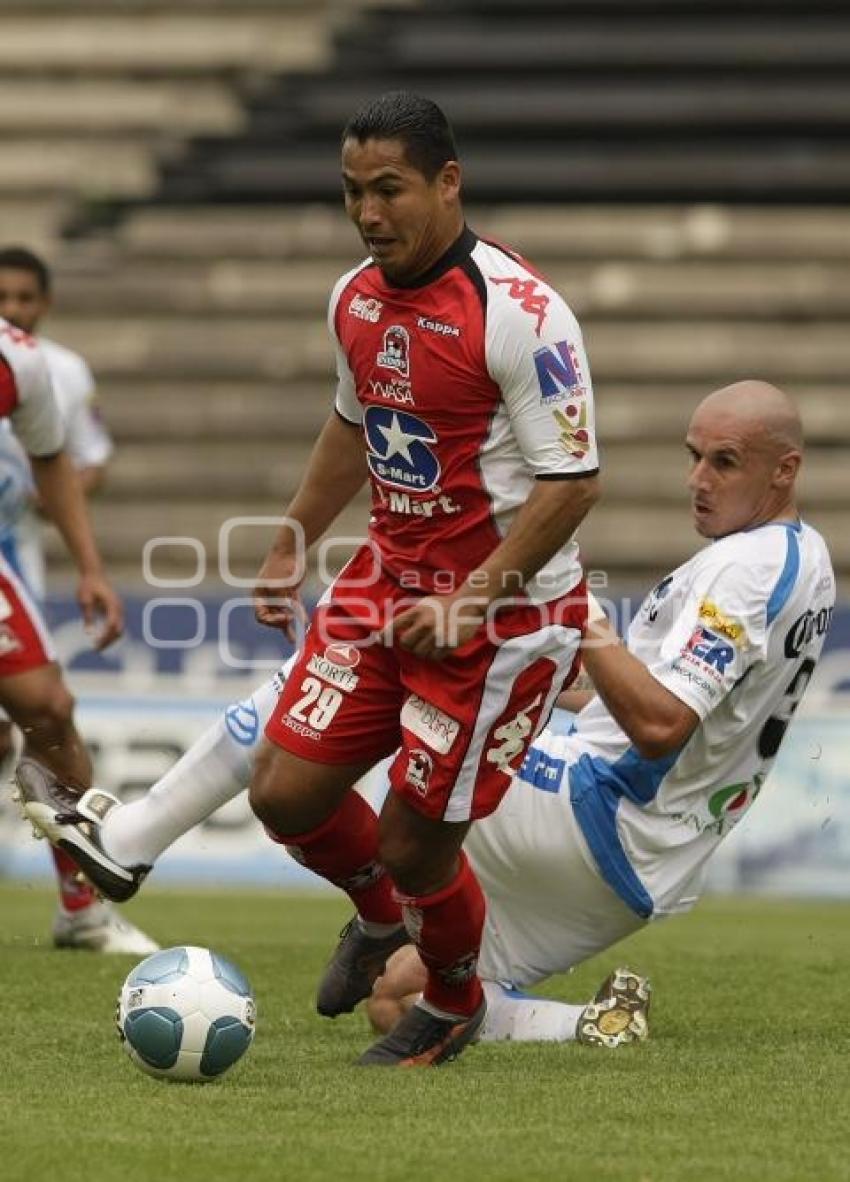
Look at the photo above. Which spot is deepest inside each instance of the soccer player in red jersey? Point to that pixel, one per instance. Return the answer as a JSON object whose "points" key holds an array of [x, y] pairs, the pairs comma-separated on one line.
{"points": [[464, 396]]}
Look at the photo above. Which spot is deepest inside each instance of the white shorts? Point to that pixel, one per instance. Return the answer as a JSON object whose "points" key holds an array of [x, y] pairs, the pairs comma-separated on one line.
{"points": [[548, 909]]}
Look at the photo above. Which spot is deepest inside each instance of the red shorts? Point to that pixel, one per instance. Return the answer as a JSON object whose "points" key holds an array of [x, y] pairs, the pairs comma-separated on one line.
{"points": [[461, 725], [24, 640]]}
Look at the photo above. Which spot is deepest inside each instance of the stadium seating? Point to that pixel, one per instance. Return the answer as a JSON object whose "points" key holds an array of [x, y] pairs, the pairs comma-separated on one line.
{"points": [[646, 154]]}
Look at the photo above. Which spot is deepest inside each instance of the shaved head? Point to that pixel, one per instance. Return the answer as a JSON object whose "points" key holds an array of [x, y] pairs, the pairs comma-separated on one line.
{"points": [[766, 410], [746, 441]]}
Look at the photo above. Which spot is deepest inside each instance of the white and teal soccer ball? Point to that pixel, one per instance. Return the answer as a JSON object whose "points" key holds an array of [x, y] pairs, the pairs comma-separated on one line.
{"points": [[186, 1014]]}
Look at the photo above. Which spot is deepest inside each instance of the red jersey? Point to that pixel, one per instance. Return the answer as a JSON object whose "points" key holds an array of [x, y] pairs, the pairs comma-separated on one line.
{"points": [[470, 384]]}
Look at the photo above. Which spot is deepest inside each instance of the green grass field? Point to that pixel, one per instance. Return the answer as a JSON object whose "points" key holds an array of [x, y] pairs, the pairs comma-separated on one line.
{"points": [[745, 1076]]}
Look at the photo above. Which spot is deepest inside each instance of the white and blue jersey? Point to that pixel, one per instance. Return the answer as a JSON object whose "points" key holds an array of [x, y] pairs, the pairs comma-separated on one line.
{"points": [[88, 445], [735, 634]]}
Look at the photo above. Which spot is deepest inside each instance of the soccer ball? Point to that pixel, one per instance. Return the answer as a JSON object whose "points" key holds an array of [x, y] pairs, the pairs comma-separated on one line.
{"points": [[186, 1014]]}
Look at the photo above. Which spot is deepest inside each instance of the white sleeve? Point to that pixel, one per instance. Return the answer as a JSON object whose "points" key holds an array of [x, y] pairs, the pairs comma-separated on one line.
{"points": [[535, 354], [346, 403], [88, 442], [719, 633], [35, 419]]}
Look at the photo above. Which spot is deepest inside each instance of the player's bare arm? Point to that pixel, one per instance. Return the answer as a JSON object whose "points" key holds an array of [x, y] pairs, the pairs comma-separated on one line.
{"points": [[336, 471], [62, 496], [656, 721], [545, 523]]}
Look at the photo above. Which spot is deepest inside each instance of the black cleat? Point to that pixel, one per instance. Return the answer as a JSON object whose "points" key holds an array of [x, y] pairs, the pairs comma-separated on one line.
{"points": [[421, 1039], [354, 968], [71, 822]]}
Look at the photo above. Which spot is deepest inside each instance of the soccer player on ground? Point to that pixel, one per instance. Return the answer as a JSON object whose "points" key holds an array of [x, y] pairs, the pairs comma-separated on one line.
{"points": [[82, 920], [464, 396], [611, 826]]}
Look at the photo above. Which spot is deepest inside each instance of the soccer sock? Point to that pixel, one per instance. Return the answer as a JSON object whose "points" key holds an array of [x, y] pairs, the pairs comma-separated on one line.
{"points": [[446, 928], [216, 768], [73, 894], [513, 1016], [344, 850]]}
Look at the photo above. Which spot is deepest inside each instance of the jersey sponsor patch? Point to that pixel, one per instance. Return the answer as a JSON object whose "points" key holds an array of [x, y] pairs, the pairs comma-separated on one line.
{"points": [[571, 421], [712, 651], [429, 724], [398, 452], [243, 722], [365, 308], [558, 372], [331, 669], [711, 615], [396, 351], [542, 770]]}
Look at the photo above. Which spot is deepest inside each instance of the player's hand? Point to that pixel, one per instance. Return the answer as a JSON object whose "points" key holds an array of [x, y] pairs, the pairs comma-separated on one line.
{"points": [[436, 625], [277, 603], [103, 612]]}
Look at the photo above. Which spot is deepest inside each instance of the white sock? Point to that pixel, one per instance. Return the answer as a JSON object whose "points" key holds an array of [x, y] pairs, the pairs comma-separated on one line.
{"points": [[516, 1017], [216, 768]]}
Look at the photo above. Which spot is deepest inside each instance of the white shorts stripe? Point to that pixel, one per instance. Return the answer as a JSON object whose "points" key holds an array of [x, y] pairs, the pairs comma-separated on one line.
{"points": [[554, 642]]}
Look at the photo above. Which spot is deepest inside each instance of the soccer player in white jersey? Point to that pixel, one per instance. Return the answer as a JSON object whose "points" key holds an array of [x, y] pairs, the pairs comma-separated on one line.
{"points": [[82, 919], [611, 826]]}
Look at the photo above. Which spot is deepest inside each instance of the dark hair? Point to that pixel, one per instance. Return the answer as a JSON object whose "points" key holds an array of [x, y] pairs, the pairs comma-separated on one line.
{"points": [[419, 123], [18, 258]]}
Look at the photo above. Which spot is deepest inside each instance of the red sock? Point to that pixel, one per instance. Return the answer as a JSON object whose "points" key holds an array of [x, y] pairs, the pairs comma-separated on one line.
{"points": [[446, 928], [75, 895], [344, 850]]}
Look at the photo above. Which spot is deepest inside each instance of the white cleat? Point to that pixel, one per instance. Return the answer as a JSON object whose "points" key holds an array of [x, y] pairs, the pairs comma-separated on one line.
{"points": [[619, 1013], [100, 928]]}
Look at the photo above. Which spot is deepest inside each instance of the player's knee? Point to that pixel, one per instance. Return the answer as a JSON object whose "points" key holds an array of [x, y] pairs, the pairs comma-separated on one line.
{"points": [[414, 868], [52, 716], [264, 789]]}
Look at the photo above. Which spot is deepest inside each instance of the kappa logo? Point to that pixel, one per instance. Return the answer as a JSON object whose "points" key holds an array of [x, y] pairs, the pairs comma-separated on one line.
{"points": [[438, 326], [396, 351], [652, 603], [365, 308], [398, 452], [511, 737], [525, 292], [558, 372]]}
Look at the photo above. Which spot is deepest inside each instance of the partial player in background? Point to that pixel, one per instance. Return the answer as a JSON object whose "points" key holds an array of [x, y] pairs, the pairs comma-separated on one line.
{"points": [[613, 824], [82, 920]]}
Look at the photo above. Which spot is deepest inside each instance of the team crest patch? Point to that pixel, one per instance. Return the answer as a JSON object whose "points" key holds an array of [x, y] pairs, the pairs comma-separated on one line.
{"points": [[420, 765], [395, 354]]}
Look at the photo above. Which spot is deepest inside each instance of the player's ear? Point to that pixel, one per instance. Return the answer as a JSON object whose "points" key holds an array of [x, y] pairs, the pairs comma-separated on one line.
{"points": [[787, 468], [448, 181]]}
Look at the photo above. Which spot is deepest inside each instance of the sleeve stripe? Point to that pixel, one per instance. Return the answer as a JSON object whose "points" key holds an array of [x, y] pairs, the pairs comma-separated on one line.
{"points": [[348, 422], [566, 475]]}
